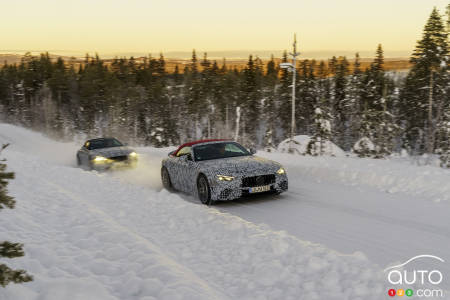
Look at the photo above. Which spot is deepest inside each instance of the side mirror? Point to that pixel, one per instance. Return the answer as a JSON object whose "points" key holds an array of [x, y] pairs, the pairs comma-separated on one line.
{"points": [[171, 153], [252, 151]]}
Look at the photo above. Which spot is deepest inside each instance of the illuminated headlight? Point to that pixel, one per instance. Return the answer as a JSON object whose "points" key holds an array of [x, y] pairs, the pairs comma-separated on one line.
{"points": [[133, 155], [100, 159], [225, 178], [281, 171]]}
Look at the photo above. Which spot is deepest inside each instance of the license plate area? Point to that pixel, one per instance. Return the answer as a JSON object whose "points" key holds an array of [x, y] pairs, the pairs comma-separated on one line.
{"points": [[259, 189]]}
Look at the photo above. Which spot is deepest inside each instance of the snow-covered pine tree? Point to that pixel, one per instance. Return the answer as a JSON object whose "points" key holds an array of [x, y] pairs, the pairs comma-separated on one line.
{"points": [[448, 18], [352, 105], [375, 133], [444, 145], [341, 109], [306, 92], [422, 94], [323, 84], [8, 249], [332, 65], [269, 108], [364, 146], [386, 129], [194, 97], [250, 99], [443, 126], [319, 142]]}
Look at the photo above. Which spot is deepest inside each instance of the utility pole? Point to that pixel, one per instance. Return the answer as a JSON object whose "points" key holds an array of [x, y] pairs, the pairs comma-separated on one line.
{"points": [[292, 68]]}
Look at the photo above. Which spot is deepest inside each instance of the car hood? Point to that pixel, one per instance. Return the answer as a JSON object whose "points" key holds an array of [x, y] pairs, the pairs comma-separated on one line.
{"points": [[112, 151], [247, 165]]}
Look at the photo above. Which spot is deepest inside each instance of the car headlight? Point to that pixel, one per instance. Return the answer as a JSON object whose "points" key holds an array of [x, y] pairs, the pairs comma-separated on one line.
{"points": [[133, 155], [225, 177], [281, 171], [99, 159]]}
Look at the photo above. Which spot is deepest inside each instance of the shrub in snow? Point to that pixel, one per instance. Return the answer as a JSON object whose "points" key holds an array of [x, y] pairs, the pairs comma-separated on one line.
{"points": [[268, 141], [445, 159], [300, 146], [364, 147], [8, 249]]}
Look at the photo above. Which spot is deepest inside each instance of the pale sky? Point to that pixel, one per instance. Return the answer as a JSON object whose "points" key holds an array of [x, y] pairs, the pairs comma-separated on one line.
{"points": [[118, 26]]}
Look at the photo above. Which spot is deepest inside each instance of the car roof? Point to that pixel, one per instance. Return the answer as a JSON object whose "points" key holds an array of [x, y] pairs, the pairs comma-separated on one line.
{"points": [[102, 138], [198, 142]]}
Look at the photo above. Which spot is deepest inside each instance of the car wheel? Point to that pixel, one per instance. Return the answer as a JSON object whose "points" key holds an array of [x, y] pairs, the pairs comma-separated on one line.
{"points": [[203, 190], [78, 161], [165, 178]]}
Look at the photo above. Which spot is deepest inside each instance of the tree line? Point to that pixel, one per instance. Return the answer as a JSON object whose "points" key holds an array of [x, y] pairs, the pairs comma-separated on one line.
{"points": [[142, 102]]}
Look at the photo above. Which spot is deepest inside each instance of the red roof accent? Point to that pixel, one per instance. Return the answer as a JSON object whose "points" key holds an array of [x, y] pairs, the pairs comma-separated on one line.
{"points": [[197, 142]]}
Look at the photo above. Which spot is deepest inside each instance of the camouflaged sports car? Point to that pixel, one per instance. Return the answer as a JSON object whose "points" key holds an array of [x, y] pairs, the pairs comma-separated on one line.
{"points": [[105, 153], [221, 170]]}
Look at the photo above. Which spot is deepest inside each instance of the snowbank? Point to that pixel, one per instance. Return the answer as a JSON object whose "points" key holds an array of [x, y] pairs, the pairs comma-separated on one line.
{"points": [[300, 145], [364, 146], [395, 175]]}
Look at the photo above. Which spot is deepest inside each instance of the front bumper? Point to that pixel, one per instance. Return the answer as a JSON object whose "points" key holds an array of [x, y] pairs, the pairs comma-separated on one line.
{"points": [[230, 190], [112, 164]]}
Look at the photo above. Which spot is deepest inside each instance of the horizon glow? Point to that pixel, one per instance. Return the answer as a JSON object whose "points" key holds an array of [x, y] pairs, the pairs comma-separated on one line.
{"points": [[118, 26]]}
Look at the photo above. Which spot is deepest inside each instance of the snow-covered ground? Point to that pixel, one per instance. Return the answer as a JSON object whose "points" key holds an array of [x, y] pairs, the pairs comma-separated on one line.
{"points": [[118, 235]]}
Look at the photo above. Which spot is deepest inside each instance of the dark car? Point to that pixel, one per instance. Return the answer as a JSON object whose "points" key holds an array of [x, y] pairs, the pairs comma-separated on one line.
{"points": [[105, 153], [221, 170]]}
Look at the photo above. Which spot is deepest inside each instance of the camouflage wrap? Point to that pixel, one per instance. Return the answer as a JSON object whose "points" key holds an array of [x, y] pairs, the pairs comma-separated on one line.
{"points": [[184, 174]]}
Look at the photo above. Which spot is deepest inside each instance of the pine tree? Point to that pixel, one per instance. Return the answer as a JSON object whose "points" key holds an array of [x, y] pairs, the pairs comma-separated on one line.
{"points": [[448, 17], [320, 141], [8, 249], [352, 105], [284, 98], [424, 88], [194, 98], [250, 99], [332, 65], [306, 97], [340, 106], [376, 127], [270, 109], [444, 144]]}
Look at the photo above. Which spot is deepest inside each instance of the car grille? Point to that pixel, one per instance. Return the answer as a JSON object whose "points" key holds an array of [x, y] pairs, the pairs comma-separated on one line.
{"points": [[225, 194], [119, 158], [258, 180]]}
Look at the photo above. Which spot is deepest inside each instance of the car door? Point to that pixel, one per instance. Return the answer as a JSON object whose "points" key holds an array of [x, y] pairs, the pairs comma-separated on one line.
{"points": [[177, 169], [187, 171]]}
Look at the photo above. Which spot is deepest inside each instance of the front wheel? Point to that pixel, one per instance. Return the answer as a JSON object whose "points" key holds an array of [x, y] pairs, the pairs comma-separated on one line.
{"points": [[203, 190], [165, 178]]}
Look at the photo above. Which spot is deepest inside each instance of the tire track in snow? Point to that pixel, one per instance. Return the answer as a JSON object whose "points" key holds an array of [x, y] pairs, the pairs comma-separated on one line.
{"points": [[163, 258]]}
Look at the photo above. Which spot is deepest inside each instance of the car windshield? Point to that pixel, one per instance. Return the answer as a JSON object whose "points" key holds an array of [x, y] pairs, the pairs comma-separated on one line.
{"points": [[103, 143], [219, 150]]}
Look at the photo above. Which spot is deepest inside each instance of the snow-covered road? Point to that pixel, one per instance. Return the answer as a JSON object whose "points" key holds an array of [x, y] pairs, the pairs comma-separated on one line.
{"points": [[120, 236]]}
